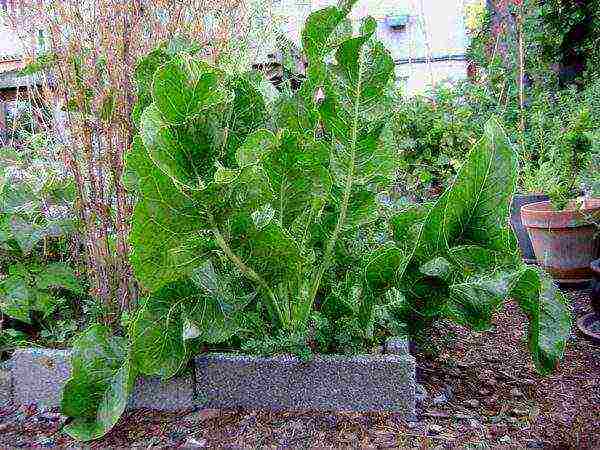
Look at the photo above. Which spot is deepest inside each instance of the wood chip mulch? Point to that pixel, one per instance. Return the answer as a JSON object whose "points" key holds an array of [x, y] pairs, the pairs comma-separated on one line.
{"points": [[481, 392]]}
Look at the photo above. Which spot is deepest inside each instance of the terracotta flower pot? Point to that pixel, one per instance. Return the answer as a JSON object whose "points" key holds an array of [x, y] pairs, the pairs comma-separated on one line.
{"points": [[516, 223], [565, 242]]}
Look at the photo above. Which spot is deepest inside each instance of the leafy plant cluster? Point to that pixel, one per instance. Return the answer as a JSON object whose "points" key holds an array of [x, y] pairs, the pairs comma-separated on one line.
{"points": [[569, 35], [567, 161], [559, 40], [264, 226], [553, 130], [38, 287], [433, 133]]}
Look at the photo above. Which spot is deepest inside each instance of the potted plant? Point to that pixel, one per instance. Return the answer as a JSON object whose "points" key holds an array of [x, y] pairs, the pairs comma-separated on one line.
{"points": [[589, 324], [563, 230]]}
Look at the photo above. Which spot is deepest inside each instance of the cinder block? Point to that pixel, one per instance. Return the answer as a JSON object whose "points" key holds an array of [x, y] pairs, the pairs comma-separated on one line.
{"points": [[358, 383], [328, 383], [39, 375], [5, 386], [174, 395], [397, 346]]}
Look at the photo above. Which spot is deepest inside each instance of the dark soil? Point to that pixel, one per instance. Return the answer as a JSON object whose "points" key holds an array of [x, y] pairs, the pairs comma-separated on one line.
{"points": [[595, 327], [482, 392]]}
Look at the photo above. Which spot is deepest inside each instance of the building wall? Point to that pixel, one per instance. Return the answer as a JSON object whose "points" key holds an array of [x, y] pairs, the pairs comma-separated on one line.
{"points": [[436, 29], [9, 43]]}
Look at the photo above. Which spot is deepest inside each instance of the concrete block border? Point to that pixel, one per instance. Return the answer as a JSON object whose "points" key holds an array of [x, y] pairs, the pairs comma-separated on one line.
{"points": [[37, 376], [366, 383], [383, 382]]}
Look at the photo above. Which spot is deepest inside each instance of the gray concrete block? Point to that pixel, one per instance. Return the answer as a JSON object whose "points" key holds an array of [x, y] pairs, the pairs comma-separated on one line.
{"points": [[5, 387], [38, 376], [397, 346], [360, 383], [174, 395]]}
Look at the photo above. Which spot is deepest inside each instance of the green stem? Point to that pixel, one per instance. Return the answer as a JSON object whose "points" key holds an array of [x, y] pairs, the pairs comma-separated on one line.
{"points": [[345, 199], [249, 273]]}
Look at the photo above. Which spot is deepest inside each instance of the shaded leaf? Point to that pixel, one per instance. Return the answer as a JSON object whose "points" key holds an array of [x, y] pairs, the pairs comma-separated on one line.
{"points": [[437, 267], [58, 275], [16, 298], [157, 333], [474, 302], [100, 384], [549, 317]]}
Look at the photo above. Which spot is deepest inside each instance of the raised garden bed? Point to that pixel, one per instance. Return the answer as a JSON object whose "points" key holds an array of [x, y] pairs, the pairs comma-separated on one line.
{"points": [[383, 382]]}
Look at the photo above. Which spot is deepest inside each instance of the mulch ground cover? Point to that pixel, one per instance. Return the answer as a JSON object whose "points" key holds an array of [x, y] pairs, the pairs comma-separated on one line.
{"points": [[480, 391]]}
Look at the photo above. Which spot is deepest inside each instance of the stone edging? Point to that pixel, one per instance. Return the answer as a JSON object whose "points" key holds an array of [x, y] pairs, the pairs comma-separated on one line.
{"points": [[383, 382]]}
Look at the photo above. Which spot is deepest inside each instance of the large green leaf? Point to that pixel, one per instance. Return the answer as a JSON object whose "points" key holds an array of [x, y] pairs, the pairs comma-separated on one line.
{"points": [[58, 275], [351, 108], [475, 209], [185, 86], [549, 316], [406, 224], [173, 168], [219, 316], [246, 114], [184, 153], [297, 171], [17, 298], [473, 302], [101, 381], [205, 308], [382, 269], [166, 235], [143, 76], [26, 233], [158, 345], [324, 29]]}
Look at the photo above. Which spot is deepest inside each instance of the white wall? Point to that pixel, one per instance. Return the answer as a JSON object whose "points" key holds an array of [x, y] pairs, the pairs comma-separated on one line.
{"points": [[9, 43], [443, 21]]}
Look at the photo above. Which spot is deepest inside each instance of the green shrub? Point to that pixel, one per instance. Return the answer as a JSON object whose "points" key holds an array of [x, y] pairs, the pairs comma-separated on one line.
{"points": [[39, 291], [433, 133]]}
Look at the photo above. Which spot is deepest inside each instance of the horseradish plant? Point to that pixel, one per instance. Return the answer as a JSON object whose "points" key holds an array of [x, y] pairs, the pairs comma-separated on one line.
{"points": [[247, 205], [462, 262]]}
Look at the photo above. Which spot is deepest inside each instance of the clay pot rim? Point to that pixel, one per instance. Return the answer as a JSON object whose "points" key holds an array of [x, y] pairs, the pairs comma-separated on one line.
{"points": [[543, 215], [589, 204]]}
